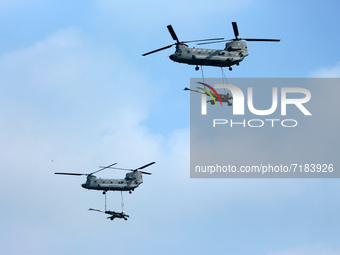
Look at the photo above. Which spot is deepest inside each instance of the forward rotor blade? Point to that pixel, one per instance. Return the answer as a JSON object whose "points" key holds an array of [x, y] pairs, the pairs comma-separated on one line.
{"points": [[172, 32], [260, 40], [213, 39], [125, 169], [70, 174], [213, 42], [146, 165], [166, 47], [131, 170], [235, 29], [145, 172], [104, 168]]}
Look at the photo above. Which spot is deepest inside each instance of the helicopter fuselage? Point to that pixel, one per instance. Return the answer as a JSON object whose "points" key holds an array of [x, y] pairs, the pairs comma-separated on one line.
{"points": [[129, 183], [233, 54]]}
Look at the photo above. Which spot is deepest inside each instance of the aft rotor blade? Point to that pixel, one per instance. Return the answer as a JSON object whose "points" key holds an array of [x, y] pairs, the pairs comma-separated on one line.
{"points": [[235, 29], [260, 40], [166, 47], [172, 32], [146, 165], [76, 174], [104, 168]]}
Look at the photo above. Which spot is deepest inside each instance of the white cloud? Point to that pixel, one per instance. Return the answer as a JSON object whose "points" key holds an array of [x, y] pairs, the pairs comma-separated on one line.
{"points": [[326, 72]]}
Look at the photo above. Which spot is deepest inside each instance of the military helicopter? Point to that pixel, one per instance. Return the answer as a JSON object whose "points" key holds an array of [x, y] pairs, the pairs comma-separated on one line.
{"points": [[129, 183], [224, 98], [234, 52], [113, 214]]}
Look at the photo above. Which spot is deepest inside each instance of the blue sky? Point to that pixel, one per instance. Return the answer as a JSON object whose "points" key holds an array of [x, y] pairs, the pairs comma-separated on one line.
{"points": [[76, 93]]}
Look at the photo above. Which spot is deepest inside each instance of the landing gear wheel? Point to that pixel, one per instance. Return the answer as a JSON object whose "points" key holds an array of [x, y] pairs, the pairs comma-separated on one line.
{"points": [[197, 68], [237, 64], [230, 68], [104, 192], [130, 191]]}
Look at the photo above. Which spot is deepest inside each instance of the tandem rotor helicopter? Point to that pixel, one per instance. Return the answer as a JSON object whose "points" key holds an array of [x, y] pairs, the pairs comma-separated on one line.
{"points": [[234, 52], [129, 183]]}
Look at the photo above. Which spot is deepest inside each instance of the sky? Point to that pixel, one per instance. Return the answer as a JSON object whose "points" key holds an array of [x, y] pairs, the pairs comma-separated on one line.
{"points": [[76, 93]]}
